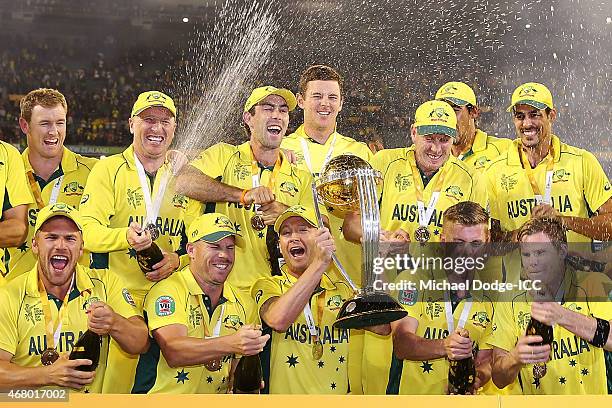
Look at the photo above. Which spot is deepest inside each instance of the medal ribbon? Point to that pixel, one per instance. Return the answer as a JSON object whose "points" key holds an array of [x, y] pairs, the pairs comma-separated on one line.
{"points": [[550, 162], [310, 322], [35, 188], [255, 174], [448, 309], [53, 328], [306, 154], [152, 206], [425, 213]]}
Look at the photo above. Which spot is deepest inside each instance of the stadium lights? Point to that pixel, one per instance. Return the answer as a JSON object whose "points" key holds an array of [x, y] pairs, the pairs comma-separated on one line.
{"points": [[527, 25], [609, 20], [185, 19]]}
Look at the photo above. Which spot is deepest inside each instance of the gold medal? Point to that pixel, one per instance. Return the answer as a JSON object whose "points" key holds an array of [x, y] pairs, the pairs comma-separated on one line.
{"points": [[49, 356], [422, 234], [213, 365], [257, 222], [317, 350], [539, 370]]}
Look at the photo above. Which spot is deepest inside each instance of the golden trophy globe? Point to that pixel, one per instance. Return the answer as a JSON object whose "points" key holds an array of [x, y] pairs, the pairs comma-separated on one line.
{"points": [[348, 183]]}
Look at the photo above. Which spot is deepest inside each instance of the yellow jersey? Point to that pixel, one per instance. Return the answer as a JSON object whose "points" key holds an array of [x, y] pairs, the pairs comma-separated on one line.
{"points": [[69, 180], [428, 306], [575, 366], [579, 186], [398, 202], [484, 149], [348, 253], [180, 300], [13, 185], [112, 199], [287, 360], [232, 165], [22, 320]]}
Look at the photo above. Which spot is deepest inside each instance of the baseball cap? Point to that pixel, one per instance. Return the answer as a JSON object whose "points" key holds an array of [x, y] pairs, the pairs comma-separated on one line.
{"points": [[532, 94], [213, 227], [307, 214], [58, 209], [262, 92], [153, 98], [457, 93], [435, 117]]}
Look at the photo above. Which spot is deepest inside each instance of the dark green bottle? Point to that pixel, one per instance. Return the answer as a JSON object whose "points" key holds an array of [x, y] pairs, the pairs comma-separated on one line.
{"points": [[87, 346], [248, 375]]}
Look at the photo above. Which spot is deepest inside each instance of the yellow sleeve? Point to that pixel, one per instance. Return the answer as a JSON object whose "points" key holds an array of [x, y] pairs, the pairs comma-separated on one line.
{"points": [[8, 323], [264, 289], [596, 188], [97, 207], [502, 330], [483, 343], [212, 160], [17, 186], [489, 183], [164, 306], [118, 297], [479, 190], [250, 309]]}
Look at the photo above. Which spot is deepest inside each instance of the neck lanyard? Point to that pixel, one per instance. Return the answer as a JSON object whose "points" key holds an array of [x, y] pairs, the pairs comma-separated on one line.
{"points": [[550, 162], [53, 328], [448, 309], [255, 173], [35, 187], [317, 347], [306, 154], [152, 206], [425, 213]]}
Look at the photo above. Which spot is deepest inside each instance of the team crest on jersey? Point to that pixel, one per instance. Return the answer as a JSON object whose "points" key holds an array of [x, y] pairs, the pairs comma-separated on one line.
{"points": [[134, 197], [433, 309], [481, 162], [165, 306], [242, 171], [289, 188], [481, 319], [523, 320], [232, 322], [127, 296], [403, 182], [195, 316], [33, 314], [408, 296], [454, 192], [561, 176], [508, 182], [89, 301], [73, 188], [180, 201], [335, 302]]}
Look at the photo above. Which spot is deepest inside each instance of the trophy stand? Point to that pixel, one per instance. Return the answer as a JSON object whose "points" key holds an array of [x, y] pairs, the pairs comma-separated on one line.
{"points": [[349, 183]]}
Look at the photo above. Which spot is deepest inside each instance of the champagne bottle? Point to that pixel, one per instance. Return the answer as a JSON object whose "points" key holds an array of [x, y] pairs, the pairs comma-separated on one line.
{"points": [[537, 328], [151, 255], [87, 346], [248, 375], [462, 374]]}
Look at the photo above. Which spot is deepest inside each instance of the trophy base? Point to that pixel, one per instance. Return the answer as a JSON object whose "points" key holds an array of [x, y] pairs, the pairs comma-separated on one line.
{"points": [[369, 309]]}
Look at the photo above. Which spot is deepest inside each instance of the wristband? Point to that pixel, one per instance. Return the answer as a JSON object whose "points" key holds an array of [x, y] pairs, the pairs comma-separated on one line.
{"points": [[601, 333], [242, 197]]}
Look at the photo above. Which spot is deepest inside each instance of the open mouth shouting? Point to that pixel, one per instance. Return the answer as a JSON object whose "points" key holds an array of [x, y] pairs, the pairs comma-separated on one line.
{"points": [[59, 262], [274, 129], [155, 140], [297, 251]]}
